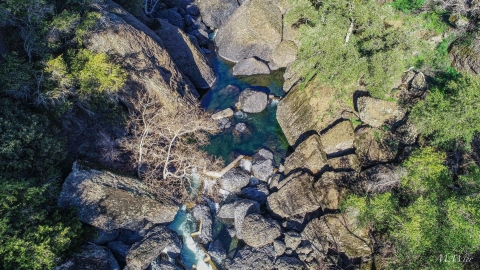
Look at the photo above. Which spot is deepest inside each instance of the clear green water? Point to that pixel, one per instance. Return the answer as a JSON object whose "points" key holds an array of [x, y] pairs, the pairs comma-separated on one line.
{"points": [[263, 127]]}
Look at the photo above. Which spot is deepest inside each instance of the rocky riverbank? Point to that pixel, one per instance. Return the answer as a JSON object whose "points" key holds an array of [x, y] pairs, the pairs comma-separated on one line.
{"points": [[281, 217]]}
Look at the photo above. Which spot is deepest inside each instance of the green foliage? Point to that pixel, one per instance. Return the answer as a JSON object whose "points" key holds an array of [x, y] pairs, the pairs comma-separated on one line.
{"points": [[436, 221], [96, 74], [89, 23], [34, 234], [457, 100], [407, 5], [377, 53]]}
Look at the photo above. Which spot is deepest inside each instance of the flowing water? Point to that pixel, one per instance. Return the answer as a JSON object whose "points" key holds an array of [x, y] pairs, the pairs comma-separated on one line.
{"points": [[263, 132]]}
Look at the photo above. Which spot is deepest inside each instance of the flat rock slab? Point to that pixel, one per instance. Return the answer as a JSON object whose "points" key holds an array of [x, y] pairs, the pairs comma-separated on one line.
{"points": [[234, 180], [223, 114], [252, 101], [108, 201], [308, 155], [258, 231], [339, 138], [285, 54], [378, 112]]}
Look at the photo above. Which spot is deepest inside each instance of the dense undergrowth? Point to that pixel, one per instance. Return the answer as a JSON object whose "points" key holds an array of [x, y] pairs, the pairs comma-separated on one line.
{"points": [[46, 78]]}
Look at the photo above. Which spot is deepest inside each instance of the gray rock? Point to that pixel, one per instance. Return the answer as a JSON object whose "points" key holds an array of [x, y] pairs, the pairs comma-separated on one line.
{"points": [[407, 133], [217, 252], [224, 123], [202, 213], [330, 188], [245, 164], [292, 240], [258, 231], [345, 163], [375, 146], [339, 138], [242, 209], [250, 66], [201, 35], [252, 101], [262, 165], [337, 231], [308, 155], [296, 197], [90, 258], [279, 247], [465, 56], [288, 263], [103, 237], [377, 112], [187, 57], [172, 16], [241, 127], [285, 54], [159, 238], [258, 193], [223, 114], [234, 180], [227, 211], [229, 91], [122, 35], [216, 12], [254, 30], [108, 201], [120, 249], [250, 258]]}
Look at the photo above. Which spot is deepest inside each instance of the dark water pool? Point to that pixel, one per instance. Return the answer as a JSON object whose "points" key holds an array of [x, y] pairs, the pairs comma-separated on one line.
{"points": [[263, 127]]}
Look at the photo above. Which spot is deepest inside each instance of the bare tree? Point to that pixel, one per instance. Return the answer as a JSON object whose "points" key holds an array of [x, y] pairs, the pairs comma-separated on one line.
{"points": [[165, 141]]}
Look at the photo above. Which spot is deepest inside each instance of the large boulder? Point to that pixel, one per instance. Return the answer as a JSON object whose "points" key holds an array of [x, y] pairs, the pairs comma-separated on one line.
{"points": [[108, 201], [202, 214], [172, 16], [187, 57], [250, 66], [375, 146], [120, 250], [258, 193], [216, 12], [288, 263], [331, 189], [296, 197], [249, 258], [253, 101], [312, 108], [285, 54], [345, 163], [142, 53], [378, 112], [308, 155], [254, 30], [339, 138], [258, 231], [242, 209], [158, 239], [337, 232], [234, 180], [263, 165], [91, 257]]}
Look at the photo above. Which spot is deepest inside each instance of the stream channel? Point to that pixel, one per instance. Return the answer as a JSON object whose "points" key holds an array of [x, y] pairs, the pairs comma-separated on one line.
{"points": [[263, 131]]}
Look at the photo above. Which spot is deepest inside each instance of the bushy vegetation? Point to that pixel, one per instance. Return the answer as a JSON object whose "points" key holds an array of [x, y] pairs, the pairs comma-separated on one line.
{"points": [[45, 78], [432, 215], [449, 114], [347, 44]]}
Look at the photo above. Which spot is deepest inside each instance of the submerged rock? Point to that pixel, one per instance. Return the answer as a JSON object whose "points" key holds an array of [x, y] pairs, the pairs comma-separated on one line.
{"points": [[159, 238], [187, 57], [254, 30], [296, 197], [234, 180], [252, 101], [258, 231], [250, 66], [308, 155], [377, 112], [108, 201]]}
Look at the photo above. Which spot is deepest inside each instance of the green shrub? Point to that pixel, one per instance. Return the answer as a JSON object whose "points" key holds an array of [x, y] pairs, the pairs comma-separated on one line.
{"points": [[407, 5]]}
